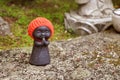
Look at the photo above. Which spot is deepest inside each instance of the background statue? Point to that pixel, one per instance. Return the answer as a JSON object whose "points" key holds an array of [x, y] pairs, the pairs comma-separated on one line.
{"points": [[95, 8], [92, 16]]}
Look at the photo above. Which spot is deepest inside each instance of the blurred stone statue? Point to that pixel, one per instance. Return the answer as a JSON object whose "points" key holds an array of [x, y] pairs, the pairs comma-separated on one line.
{"points": [[90, 17]]}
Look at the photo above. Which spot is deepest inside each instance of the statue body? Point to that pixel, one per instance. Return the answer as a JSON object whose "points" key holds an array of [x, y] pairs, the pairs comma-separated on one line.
{"points": [[40, 55]]}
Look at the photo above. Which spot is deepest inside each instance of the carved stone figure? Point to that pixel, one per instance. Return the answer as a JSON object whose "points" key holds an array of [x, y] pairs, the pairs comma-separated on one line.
{"points": [[40, 29], [92, 16]]}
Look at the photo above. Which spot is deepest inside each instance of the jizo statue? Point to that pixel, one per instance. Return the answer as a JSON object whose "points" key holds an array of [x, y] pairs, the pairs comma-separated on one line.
{"points": [[40, 29], [91, 16]]}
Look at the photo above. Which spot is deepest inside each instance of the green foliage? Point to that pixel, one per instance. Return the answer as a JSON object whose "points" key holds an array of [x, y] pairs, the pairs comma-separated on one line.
{"points": [[19, 13], [116, 3]]}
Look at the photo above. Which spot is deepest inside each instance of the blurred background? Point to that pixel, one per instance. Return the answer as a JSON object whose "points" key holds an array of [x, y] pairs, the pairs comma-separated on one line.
{"points": [[19, 13]]}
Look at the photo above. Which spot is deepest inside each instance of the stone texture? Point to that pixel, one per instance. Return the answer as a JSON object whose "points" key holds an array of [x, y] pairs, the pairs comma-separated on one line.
{"points": [[92, 57], [4, 27]]}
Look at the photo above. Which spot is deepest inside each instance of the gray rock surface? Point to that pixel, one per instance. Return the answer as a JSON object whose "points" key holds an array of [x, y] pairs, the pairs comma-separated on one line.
{"points": [[92, 57], [4, 27]]}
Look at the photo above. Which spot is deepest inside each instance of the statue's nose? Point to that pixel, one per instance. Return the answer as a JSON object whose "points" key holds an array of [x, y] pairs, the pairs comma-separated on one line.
{"points": [[43, 34]]}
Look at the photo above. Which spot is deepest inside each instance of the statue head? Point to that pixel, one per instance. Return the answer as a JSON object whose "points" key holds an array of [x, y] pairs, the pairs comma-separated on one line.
{"points": [[40, 27]]}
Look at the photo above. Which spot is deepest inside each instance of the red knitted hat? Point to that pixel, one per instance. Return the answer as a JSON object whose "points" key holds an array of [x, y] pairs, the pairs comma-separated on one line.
{"points": [[40, 21]]}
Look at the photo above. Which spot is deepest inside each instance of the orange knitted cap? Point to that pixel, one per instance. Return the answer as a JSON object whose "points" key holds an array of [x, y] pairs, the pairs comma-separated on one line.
{"points": [[38, 22]]}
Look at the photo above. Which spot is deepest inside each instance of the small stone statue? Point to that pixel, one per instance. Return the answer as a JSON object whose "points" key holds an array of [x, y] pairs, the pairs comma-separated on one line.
{"points": [[40, 29], [92, 16]]}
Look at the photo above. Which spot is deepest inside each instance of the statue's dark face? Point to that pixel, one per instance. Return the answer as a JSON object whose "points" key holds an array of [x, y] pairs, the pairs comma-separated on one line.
{"points": [[41, 33]]}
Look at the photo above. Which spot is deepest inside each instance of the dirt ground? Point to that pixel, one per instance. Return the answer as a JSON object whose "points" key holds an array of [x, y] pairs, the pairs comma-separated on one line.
{"points": [[91, 57]]}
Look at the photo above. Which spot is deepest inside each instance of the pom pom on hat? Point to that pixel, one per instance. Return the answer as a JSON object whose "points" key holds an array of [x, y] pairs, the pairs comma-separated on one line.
{"points": [[40, 21]]}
